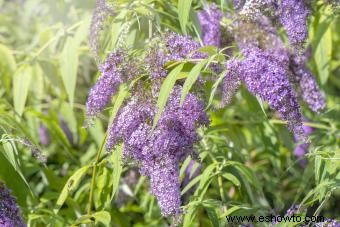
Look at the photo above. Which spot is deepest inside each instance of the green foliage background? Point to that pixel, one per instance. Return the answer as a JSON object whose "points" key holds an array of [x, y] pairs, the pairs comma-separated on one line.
{"points": [[46, 69]]}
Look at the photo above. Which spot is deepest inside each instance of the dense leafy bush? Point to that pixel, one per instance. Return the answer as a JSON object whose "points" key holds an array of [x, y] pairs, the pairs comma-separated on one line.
{"points": [[157, 113]]}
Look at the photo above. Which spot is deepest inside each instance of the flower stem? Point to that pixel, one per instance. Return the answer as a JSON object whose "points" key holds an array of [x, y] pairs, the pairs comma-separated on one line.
{"points": [[94, 172]]}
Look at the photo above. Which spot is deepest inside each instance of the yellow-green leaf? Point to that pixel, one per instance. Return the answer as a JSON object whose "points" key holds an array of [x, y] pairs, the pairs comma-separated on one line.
{"points": [[21, 83], [69, 59], [71, 184], [191, 79], [116, 158], [183, 13], [165, 90]]}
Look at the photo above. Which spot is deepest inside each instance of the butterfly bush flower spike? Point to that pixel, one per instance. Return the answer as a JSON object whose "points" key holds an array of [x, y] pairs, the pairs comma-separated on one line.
{"points": [[209, 19], [293, 17], [107, 85], [267, 78]]}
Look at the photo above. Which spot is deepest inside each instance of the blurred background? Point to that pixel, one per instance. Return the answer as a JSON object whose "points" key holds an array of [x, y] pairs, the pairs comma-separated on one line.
{"points": [[46, 153]]}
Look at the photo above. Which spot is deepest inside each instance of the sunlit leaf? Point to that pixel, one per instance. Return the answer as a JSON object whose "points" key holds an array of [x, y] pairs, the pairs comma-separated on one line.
{"points": [[191, 79], [165, 91], [183, 13], [71, 184], [69, 59], [21, 83]]}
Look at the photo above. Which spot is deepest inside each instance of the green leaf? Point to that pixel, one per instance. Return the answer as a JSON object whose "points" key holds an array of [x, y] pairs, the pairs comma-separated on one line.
{"points": [[323, 55], [232, 179], [21, 83], [191, 184], [69, 59], [103, 217], [235, 209], [7, 66], [116, 158], [71, 184], [191, 79], [261, 103], [37, 88], [122, 94], [247, 173], [206, 178], [7, 60], [212, 216], [210, 50], [11, 154], [190, 214], [214, 88], [183, 13], [13, 180], [165, 90]]}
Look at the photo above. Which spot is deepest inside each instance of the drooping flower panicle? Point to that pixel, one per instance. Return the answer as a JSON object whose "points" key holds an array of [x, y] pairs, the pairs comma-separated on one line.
{"points": [[267, 78], [160, 152], [209, 19], [99, 15], [309, 88], [107, 85], [293, 17]]}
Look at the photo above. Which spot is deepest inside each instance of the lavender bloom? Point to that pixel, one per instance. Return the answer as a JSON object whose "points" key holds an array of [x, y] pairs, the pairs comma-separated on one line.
{"points": [[209, 20], [266, 77], [293, 16], [181, 47], [252, 9], [309, 88], [231, 81], [99, 15], [291, 211], [160, 152], [127, 121], [101, 93], [155, 61], [174, 48], [165, 184], [238, 4], [9, 212], [328, 223], [44, 135]]}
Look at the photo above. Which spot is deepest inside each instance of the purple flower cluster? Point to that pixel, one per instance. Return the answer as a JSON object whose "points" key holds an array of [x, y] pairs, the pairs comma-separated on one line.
{"points": [[296, 209], [209, 19], [101, 12], [231, 81], [291, 211], [180, 47], [160, 151], [112, 76], [252, 9], [309, 88], [293, 17], [270, 70], [328, 223], [265, 76], [9, 212], [238, 4], [174, 47]]}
